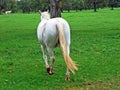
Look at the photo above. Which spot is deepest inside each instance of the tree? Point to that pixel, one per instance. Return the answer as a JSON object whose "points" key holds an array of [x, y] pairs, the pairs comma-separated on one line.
{"points": [[95, 5], [8, 5], [2, 3], [67, 5], [25, 6], [0, 9], [112, 4], [55, 8], [13, 6]]}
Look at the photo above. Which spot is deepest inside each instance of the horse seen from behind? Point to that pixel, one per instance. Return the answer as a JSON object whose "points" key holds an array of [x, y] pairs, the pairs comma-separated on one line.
{"points": [[51, 33]]}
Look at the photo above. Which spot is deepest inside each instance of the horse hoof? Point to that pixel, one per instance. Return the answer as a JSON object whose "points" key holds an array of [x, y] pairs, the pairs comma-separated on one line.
{"points": [[67, 78], [50, 72], [48, 69]]}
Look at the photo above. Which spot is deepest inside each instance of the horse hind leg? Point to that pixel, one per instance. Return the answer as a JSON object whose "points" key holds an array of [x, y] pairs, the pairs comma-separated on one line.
{"points": [[45, 57], [67, 70], [52, 59], [67, 75]]}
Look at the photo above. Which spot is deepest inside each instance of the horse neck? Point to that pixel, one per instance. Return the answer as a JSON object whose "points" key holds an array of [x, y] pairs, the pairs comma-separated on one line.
{"points": [[43, 21], [45, 17]]}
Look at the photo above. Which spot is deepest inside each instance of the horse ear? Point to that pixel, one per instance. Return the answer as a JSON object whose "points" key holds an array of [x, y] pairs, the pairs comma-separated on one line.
{"points": [[48, 11], [40, 11]]}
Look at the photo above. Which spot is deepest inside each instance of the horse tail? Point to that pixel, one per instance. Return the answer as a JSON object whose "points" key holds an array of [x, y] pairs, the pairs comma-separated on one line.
{"points": [[69, 62]]}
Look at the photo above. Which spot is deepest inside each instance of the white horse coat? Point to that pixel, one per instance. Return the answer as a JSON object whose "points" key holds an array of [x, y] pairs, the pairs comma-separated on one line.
{"points": [[51, 33]]}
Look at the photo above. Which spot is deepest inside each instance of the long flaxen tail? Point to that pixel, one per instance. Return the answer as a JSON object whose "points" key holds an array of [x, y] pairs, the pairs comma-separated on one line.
{"points": [[71, 65]]}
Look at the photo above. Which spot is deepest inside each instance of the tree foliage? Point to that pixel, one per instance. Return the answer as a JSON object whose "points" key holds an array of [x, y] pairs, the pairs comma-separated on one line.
{"points": [[27, 6]]}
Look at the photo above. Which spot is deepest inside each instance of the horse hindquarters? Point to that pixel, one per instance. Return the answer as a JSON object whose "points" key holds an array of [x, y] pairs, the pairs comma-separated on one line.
{"points": [[50, 38]]}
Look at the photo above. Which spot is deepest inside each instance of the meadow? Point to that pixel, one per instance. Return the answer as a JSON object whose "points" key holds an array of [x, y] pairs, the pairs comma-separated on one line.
{"points": [[95, 47]]}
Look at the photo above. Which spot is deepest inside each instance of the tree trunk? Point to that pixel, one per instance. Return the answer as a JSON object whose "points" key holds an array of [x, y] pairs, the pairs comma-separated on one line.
{"points": [[112, 7], [55, 8], [0, 10], [95, 6]]}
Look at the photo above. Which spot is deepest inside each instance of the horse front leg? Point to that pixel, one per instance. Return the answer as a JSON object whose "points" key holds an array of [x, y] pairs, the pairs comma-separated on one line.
{"points": [[45, 57]]}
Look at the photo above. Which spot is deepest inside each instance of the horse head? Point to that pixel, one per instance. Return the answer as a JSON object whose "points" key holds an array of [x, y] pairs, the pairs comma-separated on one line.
{"points": [[45, 15]]}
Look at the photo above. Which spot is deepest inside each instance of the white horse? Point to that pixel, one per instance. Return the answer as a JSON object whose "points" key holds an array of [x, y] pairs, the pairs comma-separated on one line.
{"points": [[51, 33], [8, 12]]}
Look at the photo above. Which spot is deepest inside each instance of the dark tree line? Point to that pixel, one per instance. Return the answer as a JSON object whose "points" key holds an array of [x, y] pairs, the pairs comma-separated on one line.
{"points": [[55, 6]]}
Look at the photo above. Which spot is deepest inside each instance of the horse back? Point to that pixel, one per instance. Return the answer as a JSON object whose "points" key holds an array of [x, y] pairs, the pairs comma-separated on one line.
{"points": [[48, 33], [51, 29]]}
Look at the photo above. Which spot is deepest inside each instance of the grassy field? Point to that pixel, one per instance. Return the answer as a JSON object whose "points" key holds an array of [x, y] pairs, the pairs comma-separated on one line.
{"points": [[95, 46]]}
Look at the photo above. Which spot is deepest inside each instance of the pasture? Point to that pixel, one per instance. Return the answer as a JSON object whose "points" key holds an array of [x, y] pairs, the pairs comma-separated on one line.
{"points": [[95, 47]]}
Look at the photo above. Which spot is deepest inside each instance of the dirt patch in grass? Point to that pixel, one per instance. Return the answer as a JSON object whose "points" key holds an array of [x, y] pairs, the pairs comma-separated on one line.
{"points": [[106, 84]]}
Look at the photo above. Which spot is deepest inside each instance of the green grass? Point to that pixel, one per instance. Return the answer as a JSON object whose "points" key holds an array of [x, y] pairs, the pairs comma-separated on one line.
{"points": [[95, 46]]}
